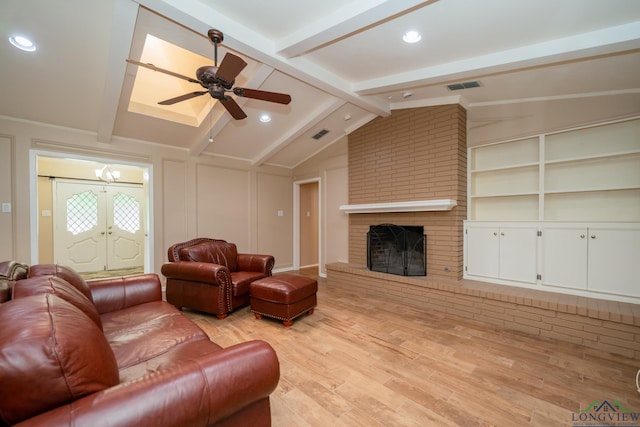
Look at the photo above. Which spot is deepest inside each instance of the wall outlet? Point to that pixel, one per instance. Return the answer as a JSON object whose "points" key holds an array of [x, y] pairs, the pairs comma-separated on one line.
{"points": [[280, 213], [6, 207]]}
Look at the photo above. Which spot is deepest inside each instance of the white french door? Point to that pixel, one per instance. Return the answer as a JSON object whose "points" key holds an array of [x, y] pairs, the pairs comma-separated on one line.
{"points": [[99, 226]]}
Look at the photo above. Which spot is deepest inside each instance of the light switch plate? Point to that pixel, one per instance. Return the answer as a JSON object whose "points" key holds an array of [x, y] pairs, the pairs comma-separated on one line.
{"points": [[6, 207]]}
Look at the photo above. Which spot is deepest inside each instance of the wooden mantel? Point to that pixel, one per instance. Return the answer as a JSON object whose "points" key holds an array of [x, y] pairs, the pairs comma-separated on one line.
{"points": [[412, 206]]}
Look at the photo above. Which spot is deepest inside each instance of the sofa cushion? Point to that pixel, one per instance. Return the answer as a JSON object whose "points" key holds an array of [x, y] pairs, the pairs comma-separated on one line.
{"points": [[242, 279], [57, 286], [222, 253], [140, 333], [59, 357], [65, 273], [172, 358]]}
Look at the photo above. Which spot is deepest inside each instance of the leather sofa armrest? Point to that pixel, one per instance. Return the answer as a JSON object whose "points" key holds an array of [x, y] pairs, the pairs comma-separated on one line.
{"points": [[122, 292], [204, 272], [253, 262], [199, 391]]}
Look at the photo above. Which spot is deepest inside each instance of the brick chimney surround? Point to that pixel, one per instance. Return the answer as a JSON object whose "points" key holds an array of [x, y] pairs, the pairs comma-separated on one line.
{"points": [[410, 168]]}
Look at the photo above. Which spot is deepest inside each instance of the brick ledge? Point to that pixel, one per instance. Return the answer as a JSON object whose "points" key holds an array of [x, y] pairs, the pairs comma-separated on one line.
{"points": [[602, 324]]}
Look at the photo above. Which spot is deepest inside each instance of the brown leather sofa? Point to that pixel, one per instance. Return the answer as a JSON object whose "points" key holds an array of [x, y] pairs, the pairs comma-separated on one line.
{"points": [[111, 352], [210, 275]]}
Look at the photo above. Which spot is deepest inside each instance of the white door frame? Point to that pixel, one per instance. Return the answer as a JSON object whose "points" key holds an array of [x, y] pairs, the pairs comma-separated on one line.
{"points": [[33, 193], [296, 222]]}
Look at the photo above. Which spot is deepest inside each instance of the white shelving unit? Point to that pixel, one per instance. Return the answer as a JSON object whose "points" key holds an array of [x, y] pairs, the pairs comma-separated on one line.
{"points": [[565, 185], [589, 174], [505, 181]]}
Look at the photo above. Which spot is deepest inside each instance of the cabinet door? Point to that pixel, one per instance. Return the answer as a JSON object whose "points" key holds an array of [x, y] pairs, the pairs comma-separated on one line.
{"points": [[614, 261], [564, 257], [483, 251], [518, 254]]}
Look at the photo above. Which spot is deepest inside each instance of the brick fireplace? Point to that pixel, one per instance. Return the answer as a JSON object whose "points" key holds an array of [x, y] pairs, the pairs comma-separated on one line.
{"points": [[415, 154]]}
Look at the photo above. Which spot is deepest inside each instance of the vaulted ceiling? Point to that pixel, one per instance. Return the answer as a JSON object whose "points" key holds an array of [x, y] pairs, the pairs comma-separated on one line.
{"points": [[537, 63]]}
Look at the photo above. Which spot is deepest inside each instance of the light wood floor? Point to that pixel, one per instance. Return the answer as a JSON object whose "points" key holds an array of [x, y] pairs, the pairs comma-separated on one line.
{"points": [[361, 361]]}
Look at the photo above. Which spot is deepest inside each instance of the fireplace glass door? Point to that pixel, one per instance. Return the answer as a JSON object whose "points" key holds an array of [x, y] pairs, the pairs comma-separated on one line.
{"points": [[396, 249]]}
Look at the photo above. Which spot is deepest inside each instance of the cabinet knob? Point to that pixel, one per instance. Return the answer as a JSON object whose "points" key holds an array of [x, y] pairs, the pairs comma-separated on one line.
{"points": [[582, 236], [593, 236], [495, 234], [502, 234]]}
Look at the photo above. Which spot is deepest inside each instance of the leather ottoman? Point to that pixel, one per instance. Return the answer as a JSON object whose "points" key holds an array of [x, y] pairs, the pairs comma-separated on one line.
{"points": [[283, 296]]}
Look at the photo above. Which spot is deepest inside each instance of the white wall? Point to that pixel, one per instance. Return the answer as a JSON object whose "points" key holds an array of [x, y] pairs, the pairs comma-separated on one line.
{"points": [[7, 221]]}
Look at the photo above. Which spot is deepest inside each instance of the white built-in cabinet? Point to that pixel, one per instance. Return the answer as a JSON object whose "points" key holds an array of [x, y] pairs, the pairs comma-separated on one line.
{"points": [[566, 203], [593, 257], [502, 251]]}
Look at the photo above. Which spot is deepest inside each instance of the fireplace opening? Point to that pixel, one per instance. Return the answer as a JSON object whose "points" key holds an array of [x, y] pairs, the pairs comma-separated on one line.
{"points": [[396, 249]]}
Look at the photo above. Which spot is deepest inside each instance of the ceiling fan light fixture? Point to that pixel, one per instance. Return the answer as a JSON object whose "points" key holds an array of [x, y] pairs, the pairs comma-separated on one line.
{"points": [[218, 80], [411, 37], [22, 43]]}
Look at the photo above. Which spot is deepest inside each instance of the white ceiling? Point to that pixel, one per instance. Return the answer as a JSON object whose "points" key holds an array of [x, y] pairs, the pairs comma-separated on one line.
{"points": [[542, 64]]}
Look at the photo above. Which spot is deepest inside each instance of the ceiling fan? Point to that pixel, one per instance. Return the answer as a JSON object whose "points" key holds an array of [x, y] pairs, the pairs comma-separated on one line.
{"points": [[219, 81]]}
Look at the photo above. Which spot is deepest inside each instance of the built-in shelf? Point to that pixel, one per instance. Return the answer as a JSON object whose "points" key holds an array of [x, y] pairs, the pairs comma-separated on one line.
{"points": [[413, 206], [587, 174]]}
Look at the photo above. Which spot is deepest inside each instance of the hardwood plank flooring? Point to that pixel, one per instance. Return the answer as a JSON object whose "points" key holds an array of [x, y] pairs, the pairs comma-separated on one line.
{"points": [[360, 360]]}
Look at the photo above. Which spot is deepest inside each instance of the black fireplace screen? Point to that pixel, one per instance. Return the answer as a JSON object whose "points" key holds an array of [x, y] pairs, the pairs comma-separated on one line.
{"points": [[396, 249]]}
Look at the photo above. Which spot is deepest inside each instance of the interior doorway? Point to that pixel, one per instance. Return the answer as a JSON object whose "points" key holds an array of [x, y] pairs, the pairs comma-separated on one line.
{"points": [[307, 224], [92, 215]]}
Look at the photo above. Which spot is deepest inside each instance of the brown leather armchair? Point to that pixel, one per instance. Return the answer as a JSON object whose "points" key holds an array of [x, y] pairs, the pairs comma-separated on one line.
{"points": [[210, 275]]}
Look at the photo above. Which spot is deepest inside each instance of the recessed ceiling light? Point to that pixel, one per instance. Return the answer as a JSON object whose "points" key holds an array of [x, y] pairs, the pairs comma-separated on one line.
{"points": [[412, 37], [265, 118], [22, 43]]}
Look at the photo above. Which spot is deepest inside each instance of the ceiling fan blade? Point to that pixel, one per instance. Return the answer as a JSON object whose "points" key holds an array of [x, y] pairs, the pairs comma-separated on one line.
{"points": [[280, 98], [233, 108], [154, 68], [182, 97], [230, 67]]}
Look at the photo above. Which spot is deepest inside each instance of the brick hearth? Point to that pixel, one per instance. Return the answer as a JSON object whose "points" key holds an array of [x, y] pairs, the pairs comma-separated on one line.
{"points": [[604, 325]]}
